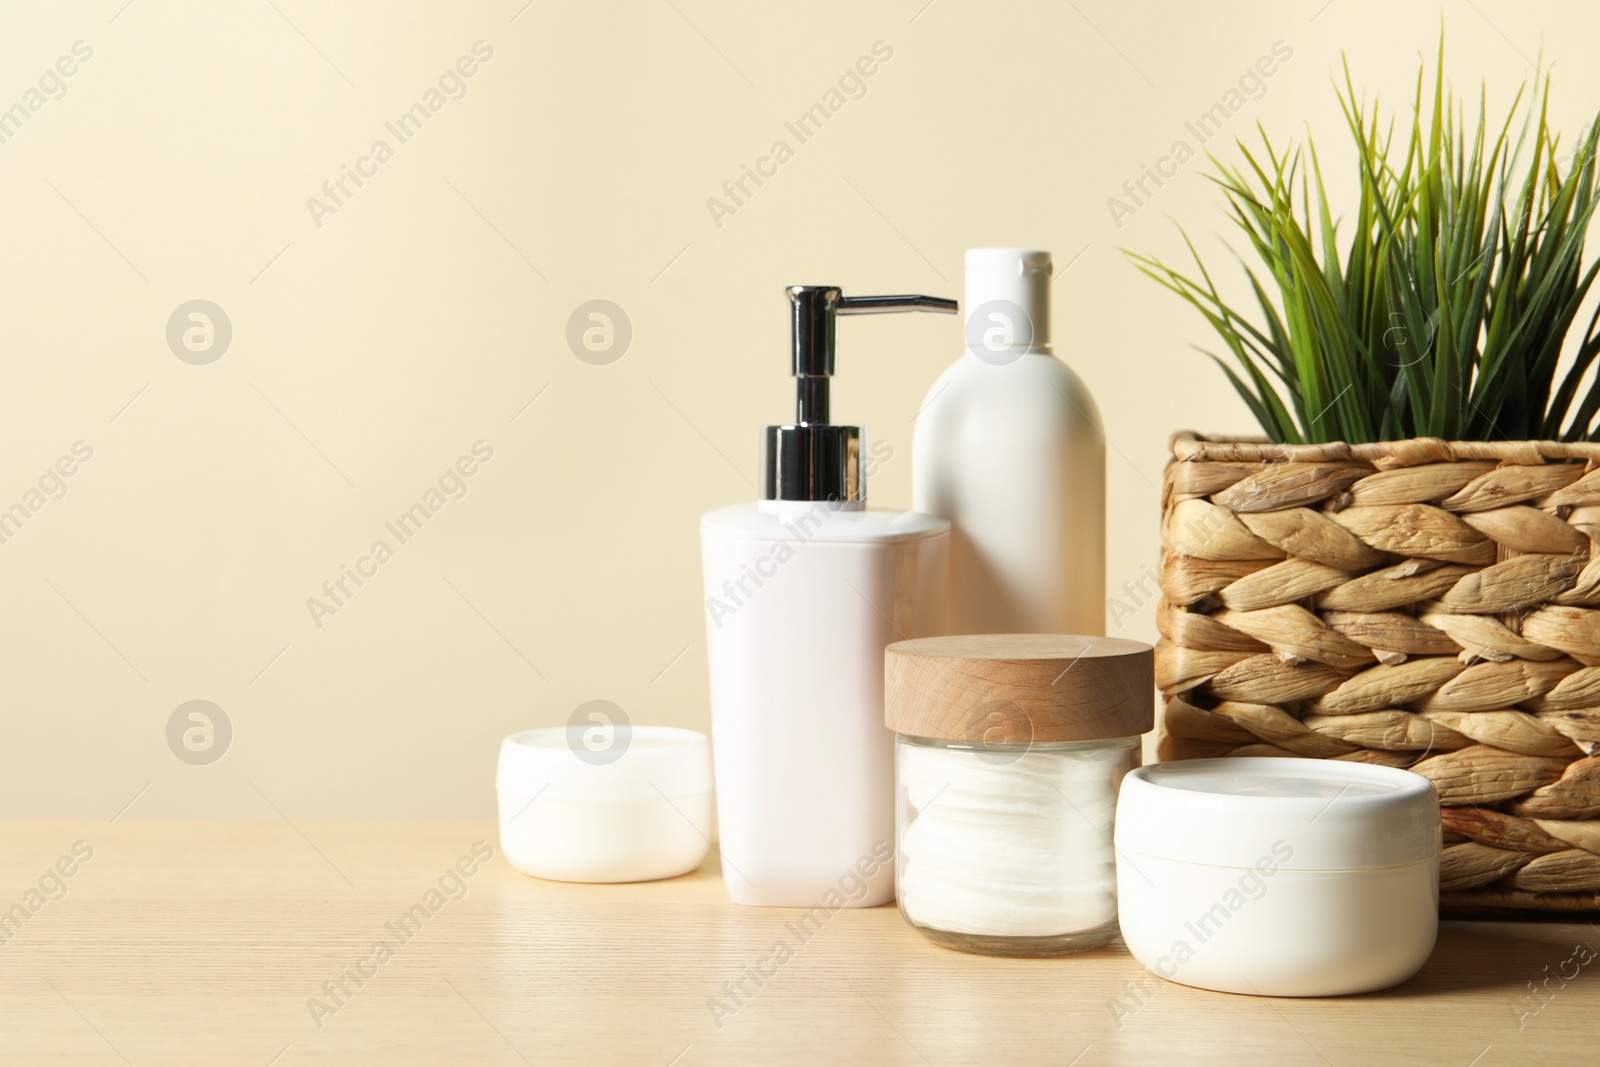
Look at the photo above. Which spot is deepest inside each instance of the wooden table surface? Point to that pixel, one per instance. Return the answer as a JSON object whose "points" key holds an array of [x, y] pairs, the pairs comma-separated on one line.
{"points": [[226, 943]]}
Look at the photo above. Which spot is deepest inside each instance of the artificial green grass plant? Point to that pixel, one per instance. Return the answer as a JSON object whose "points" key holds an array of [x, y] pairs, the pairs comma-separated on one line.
{"points": [[1445, 313]]}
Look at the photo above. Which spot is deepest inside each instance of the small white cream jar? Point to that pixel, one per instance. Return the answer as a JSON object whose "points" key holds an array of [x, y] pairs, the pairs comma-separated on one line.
{"points": [[635, 811], [1278, 877]]}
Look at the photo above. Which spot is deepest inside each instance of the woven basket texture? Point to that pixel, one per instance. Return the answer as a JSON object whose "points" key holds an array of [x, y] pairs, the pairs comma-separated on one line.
{"points": [[1426, 604]]}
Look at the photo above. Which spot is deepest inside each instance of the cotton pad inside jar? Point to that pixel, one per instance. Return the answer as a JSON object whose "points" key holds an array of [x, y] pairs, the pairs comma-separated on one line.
{"points": [[1008, 756]]}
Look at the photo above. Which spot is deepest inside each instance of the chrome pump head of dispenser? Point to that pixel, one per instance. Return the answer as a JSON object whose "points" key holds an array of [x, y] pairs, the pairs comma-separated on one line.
{"points": [[814, 459]]}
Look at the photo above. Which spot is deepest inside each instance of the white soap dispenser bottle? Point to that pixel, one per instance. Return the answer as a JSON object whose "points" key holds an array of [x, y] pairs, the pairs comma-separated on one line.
{"points": [[804, 590], [1009, 448]]}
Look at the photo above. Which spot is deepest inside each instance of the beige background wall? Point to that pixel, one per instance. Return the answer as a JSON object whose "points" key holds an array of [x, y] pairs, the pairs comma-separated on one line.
{"points": [[375, 343]]}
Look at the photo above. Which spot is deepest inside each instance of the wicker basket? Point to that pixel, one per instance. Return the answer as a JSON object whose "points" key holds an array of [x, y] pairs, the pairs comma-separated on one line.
{"points": [[1425, 604]]}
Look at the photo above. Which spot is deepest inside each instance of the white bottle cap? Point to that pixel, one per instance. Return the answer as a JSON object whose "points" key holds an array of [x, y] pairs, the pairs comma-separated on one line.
{"points": [[606, 764], [1326, 815], [1007, 301]]}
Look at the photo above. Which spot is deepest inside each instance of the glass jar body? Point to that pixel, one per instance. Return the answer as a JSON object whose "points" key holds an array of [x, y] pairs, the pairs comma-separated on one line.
{"points": [[1005, 849]]}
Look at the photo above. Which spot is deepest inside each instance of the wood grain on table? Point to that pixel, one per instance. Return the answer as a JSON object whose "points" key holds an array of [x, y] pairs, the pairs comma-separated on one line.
{"points": [[264, 943]]}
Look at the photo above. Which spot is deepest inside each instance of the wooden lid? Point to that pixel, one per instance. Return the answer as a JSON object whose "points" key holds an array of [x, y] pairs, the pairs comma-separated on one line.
{"points": [[1019, 687]]}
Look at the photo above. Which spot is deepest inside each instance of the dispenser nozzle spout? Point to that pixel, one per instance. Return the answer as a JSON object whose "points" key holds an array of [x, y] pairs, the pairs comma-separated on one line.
{"points": [[814, 310], [812, 459], [874, 305]]}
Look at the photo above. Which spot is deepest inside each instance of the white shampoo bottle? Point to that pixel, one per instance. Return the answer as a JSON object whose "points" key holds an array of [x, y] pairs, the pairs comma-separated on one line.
{"points": [[804, 590], [1009, 448]]}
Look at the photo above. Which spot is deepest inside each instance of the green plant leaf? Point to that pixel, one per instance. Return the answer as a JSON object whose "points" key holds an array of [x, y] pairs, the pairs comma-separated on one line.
{"points": [[1441, 305]]}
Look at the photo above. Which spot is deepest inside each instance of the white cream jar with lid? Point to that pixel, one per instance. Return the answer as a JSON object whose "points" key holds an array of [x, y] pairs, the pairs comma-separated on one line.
{"points": [[1278, 877], [636, 810]]}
